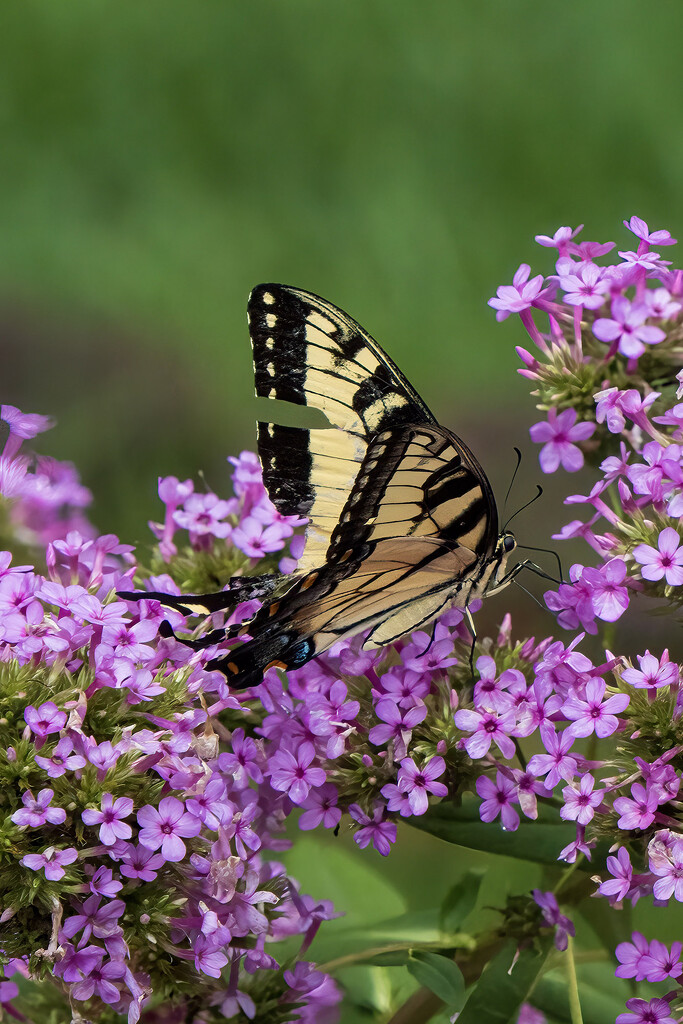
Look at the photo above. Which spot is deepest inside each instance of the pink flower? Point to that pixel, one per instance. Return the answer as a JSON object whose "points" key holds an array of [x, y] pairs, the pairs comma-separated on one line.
{"points": [[417, 783], [608, 597], [112, 827], [497, 798], [667, 561], [583, 284], [557, 763], [659, 963], [669, 869], [256, 541], [36, 811], [580, 804], [560, 240], [653, 672], [557, 436], [622, 875], [638, 812], [486, 727], [594, 714], [656, 1011], [22, 427], [518, 296], [640, 229], [164, 827], [44, 720], [373, 829], [292, 773], [626, 329], [52, 861]]}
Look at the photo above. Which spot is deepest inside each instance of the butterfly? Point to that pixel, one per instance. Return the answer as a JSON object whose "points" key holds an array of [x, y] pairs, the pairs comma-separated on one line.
{"points": [[402, 522]]}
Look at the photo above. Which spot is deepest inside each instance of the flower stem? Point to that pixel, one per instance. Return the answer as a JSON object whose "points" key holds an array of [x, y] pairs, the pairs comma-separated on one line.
{"points": [[573, 985]]}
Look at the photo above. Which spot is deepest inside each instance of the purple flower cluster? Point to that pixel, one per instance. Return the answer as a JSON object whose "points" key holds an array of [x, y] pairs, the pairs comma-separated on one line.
{"points": [[136, 825], [607, 372], [249, 520], [45, 498]]}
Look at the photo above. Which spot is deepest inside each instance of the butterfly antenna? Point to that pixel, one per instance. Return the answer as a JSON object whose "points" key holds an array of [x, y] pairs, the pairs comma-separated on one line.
{"points": [[548, 551], [535, 498], [514, 474]]}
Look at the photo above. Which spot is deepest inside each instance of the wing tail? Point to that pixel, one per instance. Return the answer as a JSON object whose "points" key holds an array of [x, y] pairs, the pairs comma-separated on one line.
{"points": [[244, 666], [240, 588]]}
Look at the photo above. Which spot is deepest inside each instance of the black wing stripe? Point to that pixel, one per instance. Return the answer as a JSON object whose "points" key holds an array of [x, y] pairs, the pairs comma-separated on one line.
{"points": [[413, 481]]}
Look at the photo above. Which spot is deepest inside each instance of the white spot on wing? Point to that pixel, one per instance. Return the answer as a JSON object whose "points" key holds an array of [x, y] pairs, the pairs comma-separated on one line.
{"points": [[270, 344], [271, 319], [268, 298]]}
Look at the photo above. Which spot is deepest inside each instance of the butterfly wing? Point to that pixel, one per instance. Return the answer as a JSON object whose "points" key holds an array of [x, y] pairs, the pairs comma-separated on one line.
{"points": [[309, 353], [418, 531], [402, 518]]}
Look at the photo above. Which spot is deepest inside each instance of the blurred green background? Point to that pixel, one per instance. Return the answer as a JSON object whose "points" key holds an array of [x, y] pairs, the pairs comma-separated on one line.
{"points": [[158, 159]]}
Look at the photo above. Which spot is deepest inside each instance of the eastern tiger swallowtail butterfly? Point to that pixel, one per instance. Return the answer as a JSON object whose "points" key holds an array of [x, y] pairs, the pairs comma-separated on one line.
{"points": [[402, 519]]}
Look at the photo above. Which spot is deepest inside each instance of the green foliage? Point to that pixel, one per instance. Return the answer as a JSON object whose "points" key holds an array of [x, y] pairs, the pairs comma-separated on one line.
{"points": [[202, 572], [440, 975], [506, 983], [461, 900], [538, 841]]}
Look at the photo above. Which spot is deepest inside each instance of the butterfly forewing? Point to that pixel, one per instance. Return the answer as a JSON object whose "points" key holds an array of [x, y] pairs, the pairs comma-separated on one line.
{"points": [[308, 352]]}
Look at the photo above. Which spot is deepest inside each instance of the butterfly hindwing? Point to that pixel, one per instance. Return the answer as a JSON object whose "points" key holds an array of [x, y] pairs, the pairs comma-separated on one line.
{"points": [[419, 481], [416, 533]]}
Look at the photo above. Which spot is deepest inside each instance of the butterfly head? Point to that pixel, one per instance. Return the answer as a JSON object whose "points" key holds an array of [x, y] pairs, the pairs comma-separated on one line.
{"points": [[498, 577], [507, 542]]}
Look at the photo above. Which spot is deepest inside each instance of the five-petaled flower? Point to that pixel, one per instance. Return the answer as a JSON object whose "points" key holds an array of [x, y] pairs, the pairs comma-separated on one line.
{"points": [[664, 560], [164, 827], [37, 810], [110, 818], [558, 436]]}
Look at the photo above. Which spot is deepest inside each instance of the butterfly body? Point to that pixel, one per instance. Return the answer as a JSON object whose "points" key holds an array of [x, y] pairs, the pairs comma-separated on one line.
{"points": [[402, 519]]}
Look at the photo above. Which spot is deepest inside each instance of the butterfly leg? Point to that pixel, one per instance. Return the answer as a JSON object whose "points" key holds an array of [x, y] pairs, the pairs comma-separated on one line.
{"points": [[473, 630], [516, 569], [431, 639]]}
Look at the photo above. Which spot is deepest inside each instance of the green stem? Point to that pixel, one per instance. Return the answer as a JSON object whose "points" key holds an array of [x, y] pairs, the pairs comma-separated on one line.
{"points": [[520, 756], [566, 875], [573, 985], [353, 959]]}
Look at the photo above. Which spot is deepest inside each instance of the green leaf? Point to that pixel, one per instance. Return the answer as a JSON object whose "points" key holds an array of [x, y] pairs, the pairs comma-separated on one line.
{"points": [[439, 974], [539, 841], [503, 987], [329, 871], [461, 900], [611, 928]]}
